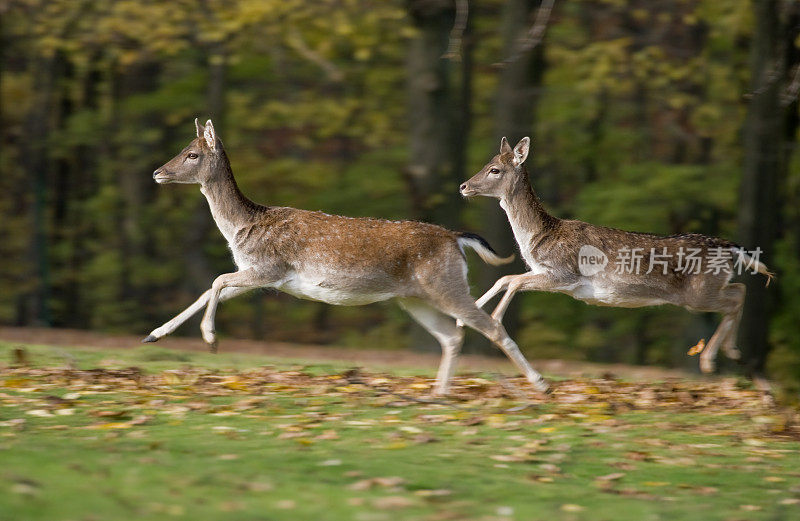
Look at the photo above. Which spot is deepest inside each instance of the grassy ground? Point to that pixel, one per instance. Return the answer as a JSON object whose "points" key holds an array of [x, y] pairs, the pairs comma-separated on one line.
{"points": [[150, 433]]}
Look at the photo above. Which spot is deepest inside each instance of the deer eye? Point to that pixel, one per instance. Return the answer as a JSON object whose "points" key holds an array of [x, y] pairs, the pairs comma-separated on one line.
{"points": [[494, 171], [192, 155]]}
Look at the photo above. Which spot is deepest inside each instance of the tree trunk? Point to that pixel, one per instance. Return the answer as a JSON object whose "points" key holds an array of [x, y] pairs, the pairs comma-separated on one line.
{"points": [[515, 114], [431, 170], [36, 162], [763, 172], [438, 132]]}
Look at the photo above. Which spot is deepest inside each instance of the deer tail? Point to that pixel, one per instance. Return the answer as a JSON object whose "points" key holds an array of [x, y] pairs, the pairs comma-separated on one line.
{"points": [[757, 265], [482, 247]]}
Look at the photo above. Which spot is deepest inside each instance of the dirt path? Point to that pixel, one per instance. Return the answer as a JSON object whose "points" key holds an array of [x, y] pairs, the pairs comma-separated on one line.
{"points": [[366, 357]]}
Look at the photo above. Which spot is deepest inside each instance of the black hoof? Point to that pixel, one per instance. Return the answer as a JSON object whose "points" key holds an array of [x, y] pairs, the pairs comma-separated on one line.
{"points": [[149, 339]]}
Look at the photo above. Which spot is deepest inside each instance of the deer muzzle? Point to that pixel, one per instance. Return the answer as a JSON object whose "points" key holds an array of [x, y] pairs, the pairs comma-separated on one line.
{"points": [[160, 176]]}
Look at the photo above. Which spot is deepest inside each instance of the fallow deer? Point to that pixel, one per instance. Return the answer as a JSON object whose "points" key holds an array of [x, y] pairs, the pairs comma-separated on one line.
{"points": [[338, 260], [569, 256]]}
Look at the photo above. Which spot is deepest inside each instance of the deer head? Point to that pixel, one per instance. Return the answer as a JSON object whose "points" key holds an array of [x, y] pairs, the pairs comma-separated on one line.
{"points": [[195, 163], [502, 174]]}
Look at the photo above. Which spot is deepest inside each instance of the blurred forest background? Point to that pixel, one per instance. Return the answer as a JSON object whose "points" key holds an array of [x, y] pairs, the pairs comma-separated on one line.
{"points": [[653, 115]]}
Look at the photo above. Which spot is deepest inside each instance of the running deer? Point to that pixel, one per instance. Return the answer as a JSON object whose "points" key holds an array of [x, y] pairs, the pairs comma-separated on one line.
{"points": [[572, 257], [338, 260]]}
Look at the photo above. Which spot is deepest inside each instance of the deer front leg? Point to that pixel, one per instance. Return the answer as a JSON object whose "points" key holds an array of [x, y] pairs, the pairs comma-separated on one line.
{"points": [[241, 280], [524, 282], [498, 286], [501, 284], [186, 314]]}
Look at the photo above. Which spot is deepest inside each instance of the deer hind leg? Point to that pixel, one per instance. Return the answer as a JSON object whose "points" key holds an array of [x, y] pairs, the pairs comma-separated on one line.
{"points": [[467, 312], [444, 329], [731, 305], [173, 324]]}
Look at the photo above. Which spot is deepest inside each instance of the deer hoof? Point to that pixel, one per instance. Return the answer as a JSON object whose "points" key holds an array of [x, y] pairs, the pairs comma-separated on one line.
{"points": [[543, 387], [438, 392], [212, 347], [150, 339], [209, 337], [707, 365]]}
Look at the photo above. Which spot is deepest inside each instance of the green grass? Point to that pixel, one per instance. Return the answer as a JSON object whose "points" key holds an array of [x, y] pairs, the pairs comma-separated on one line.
{"points": [[214, 438]]}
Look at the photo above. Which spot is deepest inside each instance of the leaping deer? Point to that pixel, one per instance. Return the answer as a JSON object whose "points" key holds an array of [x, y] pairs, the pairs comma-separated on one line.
{"points": [[338, 260], [571, 257]]}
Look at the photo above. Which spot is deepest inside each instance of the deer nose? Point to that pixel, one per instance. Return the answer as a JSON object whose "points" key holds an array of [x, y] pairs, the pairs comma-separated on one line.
{"points": [[463, 187], [155, 173]]}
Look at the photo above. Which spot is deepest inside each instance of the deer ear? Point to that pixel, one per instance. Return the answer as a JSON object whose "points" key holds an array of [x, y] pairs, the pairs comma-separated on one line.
{"points": [[505, 148], [209, 135], [199, 127], [521, 151]]}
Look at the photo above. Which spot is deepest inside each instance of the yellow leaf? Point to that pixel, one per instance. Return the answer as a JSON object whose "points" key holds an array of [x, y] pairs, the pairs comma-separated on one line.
{"points": [[113, 425], [495, 420], [15, 383], [698, 348]]}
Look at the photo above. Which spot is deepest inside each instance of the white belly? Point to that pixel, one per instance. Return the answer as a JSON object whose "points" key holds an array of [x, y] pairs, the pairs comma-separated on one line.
{"points": [[322, 290], [588, 290]]}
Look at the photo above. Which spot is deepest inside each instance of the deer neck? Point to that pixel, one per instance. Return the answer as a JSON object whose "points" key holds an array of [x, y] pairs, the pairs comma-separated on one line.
{"points": [[229, 207], [526, 215]]}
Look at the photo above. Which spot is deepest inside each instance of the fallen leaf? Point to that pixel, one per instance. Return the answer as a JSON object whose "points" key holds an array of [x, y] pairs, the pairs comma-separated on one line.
{"points": [[366, 484], [433, 493], [329, 434], [392, 502], [42, 413], [749, 508], [611, 477], [286, 504], [697, 348]]}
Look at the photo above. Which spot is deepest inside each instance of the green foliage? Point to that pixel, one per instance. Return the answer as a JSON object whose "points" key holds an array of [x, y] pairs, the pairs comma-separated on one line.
{"points": [[637, 127]]}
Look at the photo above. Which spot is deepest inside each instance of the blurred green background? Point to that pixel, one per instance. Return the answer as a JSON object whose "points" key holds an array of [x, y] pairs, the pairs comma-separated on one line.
{"points": [[664, 116]]}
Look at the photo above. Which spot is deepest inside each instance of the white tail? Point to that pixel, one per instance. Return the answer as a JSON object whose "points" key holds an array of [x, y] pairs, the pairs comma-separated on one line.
{"points": [[751, 263], [483, 249]]}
